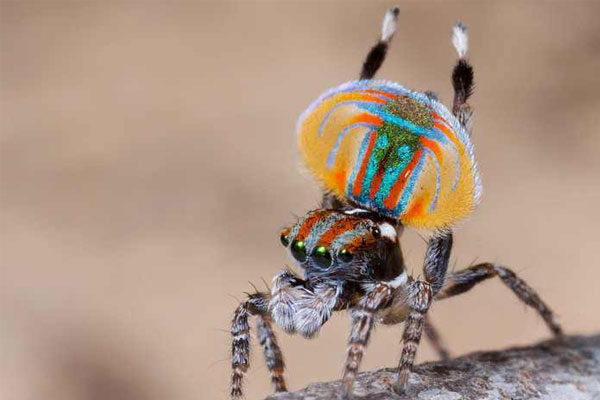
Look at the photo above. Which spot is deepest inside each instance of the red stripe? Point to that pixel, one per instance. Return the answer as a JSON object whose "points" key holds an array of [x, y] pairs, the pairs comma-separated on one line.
{"points": [[382, 93], [363, 168], [392, 199], [378, 176], [344, 225], [433, 146], [309, 222]]}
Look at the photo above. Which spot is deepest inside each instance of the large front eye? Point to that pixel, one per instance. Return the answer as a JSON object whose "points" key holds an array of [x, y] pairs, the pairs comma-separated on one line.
{"points": [[345, 256], [322, 256], [298, 250]]}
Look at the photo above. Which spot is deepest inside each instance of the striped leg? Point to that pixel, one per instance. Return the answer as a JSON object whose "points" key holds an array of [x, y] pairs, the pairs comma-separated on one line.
{"points": [[434, 338], [272, 352], [462, 281], [420, 295], [362, 316], [257, 304], [419, 302]]}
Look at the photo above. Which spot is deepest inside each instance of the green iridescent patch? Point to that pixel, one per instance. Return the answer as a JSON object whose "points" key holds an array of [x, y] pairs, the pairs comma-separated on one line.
{"points": [[395, 138], [411, 110]]}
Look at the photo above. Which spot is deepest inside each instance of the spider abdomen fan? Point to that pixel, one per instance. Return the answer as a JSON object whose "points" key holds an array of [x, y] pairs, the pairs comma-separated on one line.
{"points": [[393, 151]]}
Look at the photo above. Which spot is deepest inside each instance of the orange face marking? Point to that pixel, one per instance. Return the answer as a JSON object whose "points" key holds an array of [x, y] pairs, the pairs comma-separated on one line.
{"points": [[341, 226], [309, 223], [361, 241]]}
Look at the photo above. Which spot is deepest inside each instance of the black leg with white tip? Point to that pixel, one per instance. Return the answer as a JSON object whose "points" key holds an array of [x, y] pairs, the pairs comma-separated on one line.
{"points": [[462, 77], [378, 52]]}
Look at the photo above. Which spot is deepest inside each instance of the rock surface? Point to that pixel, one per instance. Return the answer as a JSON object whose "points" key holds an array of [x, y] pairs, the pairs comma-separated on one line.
{"points": [[567, 369]]}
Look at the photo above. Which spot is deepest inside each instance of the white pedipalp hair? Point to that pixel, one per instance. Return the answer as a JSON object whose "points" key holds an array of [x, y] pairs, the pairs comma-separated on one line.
{"points": [[390, 22], [388, 231], [460, 39], [398, 281]]}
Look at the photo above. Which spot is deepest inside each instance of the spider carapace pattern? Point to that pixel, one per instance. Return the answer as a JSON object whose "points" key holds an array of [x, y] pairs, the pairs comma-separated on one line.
{"points": [[388, 158]]}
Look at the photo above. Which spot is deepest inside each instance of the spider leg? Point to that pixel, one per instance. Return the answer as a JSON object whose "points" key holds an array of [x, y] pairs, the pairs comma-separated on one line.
{"points": [[362, 319], [256, 304], [272, 353], [434, 338], [462, 77], [420, 294], [377, 54], [438, 252], [462, 281]]}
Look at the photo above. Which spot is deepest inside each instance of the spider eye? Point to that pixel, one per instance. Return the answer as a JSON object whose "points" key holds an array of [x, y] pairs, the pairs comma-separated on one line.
{"points": [[376, 232], [345, 256], [285, 240], [322, 256], [298, 250]]}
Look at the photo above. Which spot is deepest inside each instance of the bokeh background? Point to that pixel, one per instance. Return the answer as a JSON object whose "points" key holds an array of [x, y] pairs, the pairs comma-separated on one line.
{"points": [[148, 162]]}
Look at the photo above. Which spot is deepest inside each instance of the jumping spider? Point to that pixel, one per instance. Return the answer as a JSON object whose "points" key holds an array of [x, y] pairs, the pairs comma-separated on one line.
{"points": [[349, 248]]}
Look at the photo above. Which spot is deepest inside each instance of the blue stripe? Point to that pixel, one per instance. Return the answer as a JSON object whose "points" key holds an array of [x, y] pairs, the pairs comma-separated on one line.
{"points": [[457, 173], [335, 107], [433, 204], [348, 236], [319, 229], [358, 162], [391, 176], [408, 189], [339, 139], [381, 142], [402, 123]]}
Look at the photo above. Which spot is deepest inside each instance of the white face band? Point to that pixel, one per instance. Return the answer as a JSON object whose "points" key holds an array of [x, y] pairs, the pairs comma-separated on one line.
{"points": [[388, 231]]}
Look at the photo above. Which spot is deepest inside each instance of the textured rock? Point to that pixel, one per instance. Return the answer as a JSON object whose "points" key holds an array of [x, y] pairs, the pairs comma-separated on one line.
{"points": [[567, 369]]}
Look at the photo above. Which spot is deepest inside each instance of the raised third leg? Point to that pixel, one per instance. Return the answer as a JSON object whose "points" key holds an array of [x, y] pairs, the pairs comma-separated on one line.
{"points": [[462, 281]]}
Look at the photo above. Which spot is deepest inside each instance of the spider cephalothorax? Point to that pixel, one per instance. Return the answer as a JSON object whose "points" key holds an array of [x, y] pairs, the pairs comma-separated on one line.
{"points": [[388, 158], [344, 246]]}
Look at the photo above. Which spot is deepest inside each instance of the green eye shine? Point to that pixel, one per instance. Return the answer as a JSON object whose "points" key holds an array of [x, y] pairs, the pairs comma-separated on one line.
{"points": [[298, 250], [285, 241], [322, 257], [345, 256]]}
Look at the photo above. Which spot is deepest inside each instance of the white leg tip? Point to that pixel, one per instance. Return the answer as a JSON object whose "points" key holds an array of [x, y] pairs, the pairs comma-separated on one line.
{"points": [[390, 21], [460, 39]]}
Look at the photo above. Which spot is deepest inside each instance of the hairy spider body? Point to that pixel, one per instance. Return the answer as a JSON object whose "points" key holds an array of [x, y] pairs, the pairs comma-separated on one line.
{"points": [[388, 158]]}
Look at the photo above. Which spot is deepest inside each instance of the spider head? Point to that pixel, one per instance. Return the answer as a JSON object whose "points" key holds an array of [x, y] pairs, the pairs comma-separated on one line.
{"points": [[344, 245]]}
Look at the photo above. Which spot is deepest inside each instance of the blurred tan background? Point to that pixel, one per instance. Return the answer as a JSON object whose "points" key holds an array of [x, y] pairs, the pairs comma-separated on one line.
{"points": [[148, 162]]}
